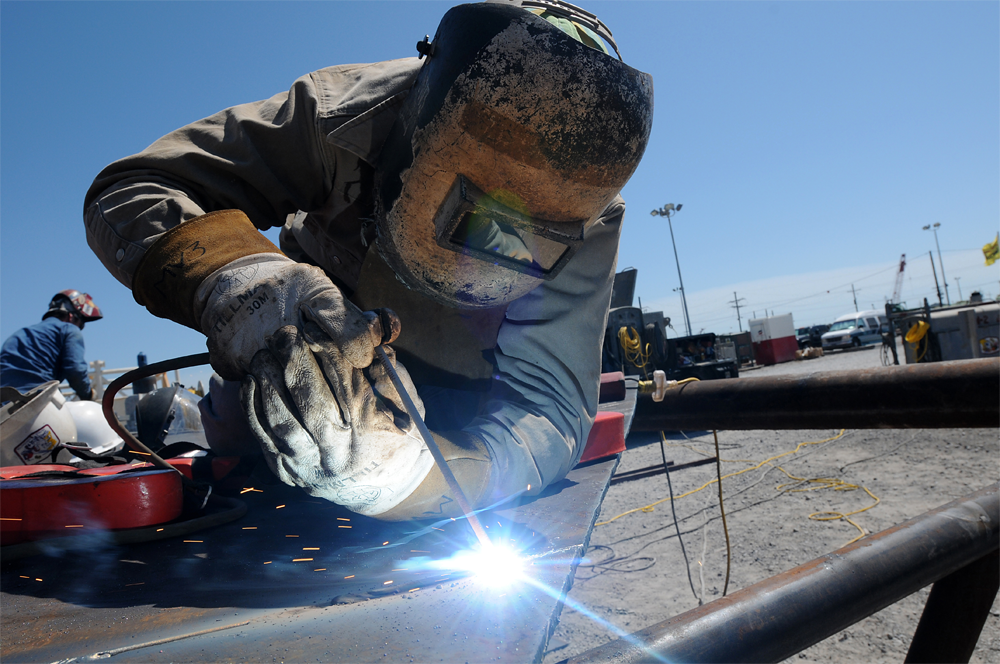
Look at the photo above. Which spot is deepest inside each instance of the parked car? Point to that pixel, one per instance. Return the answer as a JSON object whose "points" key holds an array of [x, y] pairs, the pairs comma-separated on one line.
{"points": [[811, 336], [856, 329]]}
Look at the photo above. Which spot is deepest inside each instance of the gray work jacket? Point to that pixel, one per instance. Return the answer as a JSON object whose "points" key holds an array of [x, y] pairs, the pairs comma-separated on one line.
{"points": [[313, 149]]}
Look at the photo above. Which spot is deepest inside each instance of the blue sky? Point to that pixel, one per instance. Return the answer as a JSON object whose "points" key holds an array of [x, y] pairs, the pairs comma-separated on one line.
{"points": [[808, 141]]}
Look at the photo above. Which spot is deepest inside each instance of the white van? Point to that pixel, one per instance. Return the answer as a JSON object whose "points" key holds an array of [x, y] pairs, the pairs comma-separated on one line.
{"points": [[856, 329]]}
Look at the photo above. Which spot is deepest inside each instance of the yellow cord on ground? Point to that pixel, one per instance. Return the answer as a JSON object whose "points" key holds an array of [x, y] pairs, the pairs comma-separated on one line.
{"points": [[649, 508], [836, 485], [821, 482]]}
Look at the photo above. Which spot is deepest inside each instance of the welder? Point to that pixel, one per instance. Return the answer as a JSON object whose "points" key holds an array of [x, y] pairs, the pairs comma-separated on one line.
{"points": [[52, 349], [462, 204]]}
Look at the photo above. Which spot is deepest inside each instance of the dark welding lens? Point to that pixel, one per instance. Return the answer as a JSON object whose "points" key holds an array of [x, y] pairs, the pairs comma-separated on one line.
{"points": [[475, 224], [477, 231]]}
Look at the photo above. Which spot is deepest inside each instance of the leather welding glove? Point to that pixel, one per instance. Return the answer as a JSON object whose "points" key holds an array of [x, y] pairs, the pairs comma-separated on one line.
{"points": [[334, 429], [252, 297], [216, 273]]}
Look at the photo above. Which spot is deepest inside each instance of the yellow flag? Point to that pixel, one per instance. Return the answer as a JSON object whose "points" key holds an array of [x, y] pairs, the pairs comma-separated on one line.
{"points": [[992, 250]]}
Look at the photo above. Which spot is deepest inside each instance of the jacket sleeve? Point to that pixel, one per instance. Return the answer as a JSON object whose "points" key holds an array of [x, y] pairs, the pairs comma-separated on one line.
{"points": [[73, 365], [266, 159], [549, 358]]}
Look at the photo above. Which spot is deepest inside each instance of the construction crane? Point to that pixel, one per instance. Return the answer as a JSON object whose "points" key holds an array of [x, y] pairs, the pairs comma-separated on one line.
{"points": [[899, 280]]}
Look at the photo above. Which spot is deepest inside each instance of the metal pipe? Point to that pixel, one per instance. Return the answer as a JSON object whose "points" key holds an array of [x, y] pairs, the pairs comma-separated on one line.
{"points": [[955, 613], [963, 393], [785, 614]]}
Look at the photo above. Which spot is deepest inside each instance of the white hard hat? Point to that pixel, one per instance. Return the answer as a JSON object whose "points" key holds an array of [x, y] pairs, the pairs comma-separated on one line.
{"points": [[92, 429]]}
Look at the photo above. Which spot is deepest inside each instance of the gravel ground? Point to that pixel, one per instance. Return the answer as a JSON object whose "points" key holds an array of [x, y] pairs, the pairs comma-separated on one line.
{"points": [[635, 573]]}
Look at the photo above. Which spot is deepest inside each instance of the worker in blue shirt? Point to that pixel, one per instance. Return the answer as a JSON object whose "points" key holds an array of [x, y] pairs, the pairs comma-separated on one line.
{"points": [[52, 349]]}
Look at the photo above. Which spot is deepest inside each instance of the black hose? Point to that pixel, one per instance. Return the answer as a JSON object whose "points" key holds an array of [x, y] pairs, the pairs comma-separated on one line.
{"points": [[108, 402]]}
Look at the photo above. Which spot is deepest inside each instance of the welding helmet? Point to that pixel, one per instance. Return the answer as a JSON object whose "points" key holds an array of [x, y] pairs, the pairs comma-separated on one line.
{"points": [[513, 140], [74, 303]]}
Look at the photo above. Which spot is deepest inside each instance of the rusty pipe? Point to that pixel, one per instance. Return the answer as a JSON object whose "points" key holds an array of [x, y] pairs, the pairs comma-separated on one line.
{"points": [[964, 393], [785, 614]]}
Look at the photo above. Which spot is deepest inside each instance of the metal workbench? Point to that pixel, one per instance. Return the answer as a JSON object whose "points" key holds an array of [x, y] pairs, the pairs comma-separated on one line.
{"points": [[295, 583]]}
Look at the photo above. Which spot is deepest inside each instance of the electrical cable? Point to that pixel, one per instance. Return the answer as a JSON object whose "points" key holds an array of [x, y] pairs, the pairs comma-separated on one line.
{"points": [[649, 508], [631, 344], [836, 485], [613, 563], [817, 483], [722, 510], [670, 488]]}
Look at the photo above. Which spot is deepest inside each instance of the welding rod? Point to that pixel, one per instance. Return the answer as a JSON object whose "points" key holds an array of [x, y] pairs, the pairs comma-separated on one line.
{"points": [[432, 445]]}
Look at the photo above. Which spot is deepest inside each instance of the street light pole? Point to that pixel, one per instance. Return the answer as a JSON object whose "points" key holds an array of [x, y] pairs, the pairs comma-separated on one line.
{"points": [[940, 260], [668, 211], [937, 286]]}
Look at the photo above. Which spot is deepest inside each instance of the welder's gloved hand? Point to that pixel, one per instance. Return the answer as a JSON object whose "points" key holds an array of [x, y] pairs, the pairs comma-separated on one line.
{"points": [[252, 297], [334, 429]]}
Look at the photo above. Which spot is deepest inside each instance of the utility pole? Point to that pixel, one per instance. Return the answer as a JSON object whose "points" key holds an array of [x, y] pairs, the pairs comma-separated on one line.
{"points": [[936, 284], [854, 292], [958, 280], [736, 304]]}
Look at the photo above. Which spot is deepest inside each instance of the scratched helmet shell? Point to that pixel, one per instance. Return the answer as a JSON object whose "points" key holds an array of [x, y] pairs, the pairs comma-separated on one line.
{"points": [[513, 140], [74, 302]]}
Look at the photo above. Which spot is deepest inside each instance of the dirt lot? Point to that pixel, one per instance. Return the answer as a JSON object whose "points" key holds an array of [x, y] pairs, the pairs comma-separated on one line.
{"points": [[635, 574]]}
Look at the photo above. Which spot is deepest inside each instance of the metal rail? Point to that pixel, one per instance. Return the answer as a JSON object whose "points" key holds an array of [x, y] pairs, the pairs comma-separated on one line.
{"points": [[785, 614], [964, 393]]}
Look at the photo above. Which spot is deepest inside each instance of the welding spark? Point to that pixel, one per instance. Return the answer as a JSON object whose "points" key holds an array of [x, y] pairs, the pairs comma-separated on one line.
{"points": [[496, 565]]}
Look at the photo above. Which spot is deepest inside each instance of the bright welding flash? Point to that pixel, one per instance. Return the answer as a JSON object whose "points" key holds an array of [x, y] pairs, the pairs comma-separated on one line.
{"points": [[496, 566]]}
